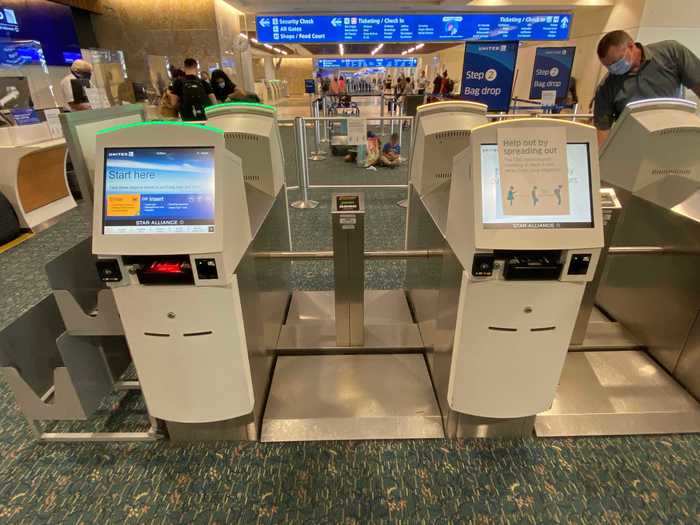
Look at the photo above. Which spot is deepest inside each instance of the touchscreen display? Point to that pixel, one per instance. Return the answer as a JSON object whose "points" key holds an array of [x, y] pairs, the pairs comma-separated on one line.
{"points": [[158, 191], [546, 207]]}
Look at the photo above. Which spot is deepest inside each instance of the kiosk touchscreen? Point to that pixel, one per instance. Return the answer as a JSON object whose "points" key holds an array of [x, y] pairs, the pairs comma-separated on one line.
{"points": [[441, 131], [525, 225], [168, 246]]}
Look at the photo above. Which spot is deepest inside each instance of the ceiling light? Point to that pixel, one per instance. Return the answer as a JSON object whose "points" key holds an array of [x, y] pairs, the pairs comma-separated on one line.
{"points": [[268, 46], [411, 50], [419, 46], [342, 49], [244, 36], [283, 52], [376, 49], [404, 52], [254, 40]]}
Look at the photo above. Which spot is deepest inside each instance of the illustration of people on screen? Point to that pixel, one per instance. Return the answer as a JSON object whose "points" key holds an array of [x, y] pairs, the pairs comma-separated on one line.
{"points": [[511, 195], [557, 194], [535, 198]]}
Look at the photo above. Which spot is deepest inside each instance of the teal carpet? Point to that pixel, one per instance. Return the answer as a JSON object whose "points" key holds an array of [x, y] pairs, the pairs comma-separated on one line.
{"points": [[645, 480]]}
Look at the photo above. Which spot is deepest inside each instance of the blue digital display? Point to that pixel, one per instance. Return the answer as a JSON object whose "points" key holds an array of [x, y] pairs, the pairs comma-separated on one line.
{"points": [[158, 190], [20, 53], [310, 29], [361, 63], [25, 116], [488, 71], [49, 23], [552, 71]]}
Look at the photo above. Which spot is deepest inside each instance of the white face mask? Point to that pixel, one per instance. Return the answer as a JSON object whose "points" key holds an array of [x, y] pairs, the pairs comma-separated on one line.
{"points": [[221, 84]]}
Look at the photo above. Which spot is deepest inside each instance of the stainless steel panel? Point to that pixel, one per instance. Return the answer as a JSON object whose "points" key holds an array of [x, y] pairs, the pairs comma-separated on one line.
{"points": [[688, 368], [611, 213], [230, 430], [381, 307], [465, 426], [264, 291], [604, 334], [617, 393], [423, 276], [348, 271], [351, 397], [320, 337], [657, 298], [311, 324]]}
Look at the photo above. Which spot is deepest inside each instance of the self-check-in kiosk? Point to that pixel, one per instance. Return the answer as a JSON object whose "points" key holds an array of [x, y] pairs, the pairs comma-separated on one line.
{"points": [[174, 229], [644, 378], [168, 246], [518, 246], [525, 226]]}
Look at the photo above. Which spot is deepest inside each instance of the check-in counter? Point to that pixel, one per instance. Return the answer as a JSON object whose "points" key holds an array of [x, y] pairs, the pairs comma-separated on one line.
{"points": [[33, 174]]}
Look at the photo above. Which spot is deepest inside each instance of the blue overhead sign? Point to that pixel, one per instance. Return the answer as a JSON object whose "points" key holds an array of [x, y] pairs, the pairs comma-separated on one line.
{"points": [[552, 71], [361, 63], [310, 29], [487, 76]]}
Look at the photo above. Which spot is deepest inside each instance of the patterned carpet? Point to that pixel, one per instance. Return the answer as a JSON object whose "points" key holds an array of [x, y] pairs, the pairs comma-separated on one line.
{"points": [[594, 480]]}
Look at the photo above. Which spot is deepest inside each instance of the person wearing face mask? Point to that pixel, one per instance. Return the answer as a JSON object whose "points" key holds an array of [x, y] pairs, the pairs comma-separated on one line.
{"points": [[73, 86], [223, 87], [638, 72]]}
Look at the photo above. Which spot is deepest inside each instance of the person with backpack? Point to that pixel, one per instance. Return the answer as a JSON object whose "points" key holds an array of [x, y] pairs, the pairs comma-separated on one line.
{"points": [[190, 95]]}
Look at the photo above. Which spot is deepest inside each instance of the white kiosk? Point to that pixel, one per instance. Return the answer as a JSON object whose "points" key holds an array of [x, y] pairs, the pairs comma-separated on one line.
{"points": [[253, 135], [170, 226], [650, 285], [525, 227], [441, 130], [175, 233]]}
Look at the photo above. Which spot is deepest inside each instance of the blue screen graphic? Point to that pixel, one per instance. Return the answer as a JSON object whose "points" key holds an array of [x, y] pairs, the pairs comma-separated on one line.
{"points": [[25, 116], [552, 71], [413, 28], [488, 71], [49, 23], [158, 190], [361, 63], [20, 53]]}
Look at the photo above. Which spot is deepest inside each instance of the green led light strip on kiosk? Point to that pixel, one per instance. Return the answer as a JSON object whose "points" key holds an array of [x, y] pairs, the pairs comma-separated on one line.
{"points": [[161, 123], [239, 104]]}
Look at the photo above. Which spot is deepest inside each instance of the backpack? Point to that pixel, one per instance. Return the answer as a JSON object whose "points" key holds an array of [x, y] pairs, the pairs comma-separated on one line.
{"points": [[9, 225], [194, 100]]}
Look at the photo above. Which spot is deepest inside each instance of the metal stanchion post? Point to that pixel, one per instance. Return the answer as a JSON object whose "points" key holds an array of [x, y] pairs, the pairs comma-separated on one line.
{"points": [[302, 166], [401, 124], [381, 110], [324, 138], [317, 154]]}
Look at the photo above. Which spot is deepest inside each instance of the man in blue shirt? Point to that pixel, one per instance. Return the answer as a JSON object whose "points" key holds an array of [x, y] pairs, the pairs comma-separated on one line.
{"points": [[391, 152]]}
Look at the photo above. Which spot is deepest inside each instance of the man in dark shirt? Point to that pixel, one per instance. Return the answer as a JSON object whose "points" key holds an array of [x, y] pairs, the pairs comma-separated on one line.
{"points": [[638, 72], [190, 95]]}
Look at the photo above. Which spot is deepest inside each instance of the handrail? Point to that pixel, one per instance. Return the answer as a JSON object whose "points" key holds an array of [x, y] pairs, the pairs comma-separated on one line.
{"points": [[406, 254]]}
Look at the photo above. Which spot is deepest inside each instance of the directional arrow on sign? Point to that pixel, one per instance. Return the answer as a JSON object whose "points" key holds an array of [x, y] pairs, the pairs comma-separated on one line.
{"points": [[335, 22], [265, 22], [564, 22]]}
